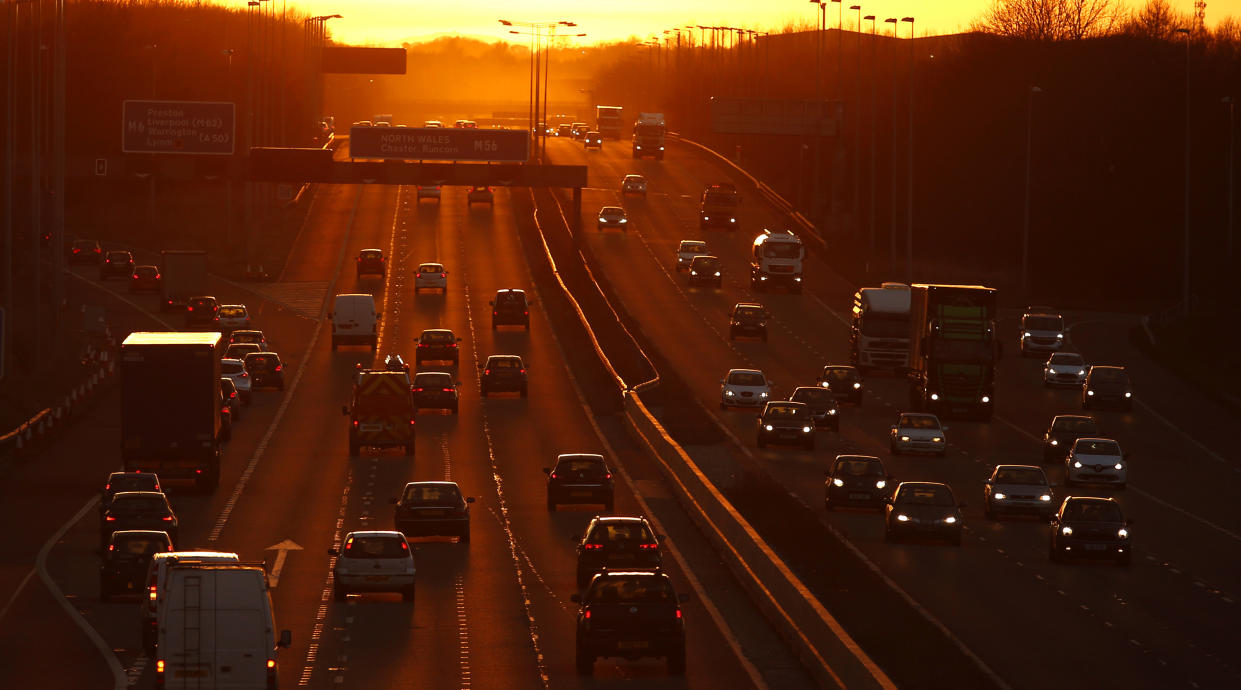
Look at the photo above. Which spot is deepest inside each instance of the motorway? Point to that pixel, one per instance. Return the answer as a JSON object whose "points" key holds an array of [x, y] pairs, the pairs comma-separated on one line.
{"points": [[1168, 621], [493, 613]]}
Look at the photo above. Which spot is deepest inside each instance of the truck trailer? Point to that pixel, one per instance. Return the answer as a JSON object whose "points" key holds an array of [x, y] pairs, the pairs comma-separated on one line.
{"points": [[648, 136], [183, 274], [608, 121], [952, 350], [879, 329], [170, 406]]}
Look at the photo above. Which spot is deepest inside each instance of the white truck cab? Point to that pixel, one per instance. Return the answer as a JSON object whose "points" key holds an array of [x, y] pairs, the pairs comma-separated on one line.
{"points": [[776, 260]]}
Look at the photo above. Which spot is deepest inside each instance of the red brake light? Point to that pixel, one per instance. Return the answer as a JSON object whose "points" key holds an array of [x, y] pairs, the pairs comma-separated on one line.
{"points": [[443, 275], [157, 276], [608, 475], [447, 390], [411, 421], [111, 518], [404, 546], [417, 390], [649, 547], [417, 275], [279, 367], [107, 487], [553, 475], [244, 375], [77, 251], [678, 613], [452, 344], [523, 371], [233, 394], [135, 276], [587, 614], [167, 518], [355, 422], [495, 313], [422, 345], [487, 372], [112, 547], [593, 547]]}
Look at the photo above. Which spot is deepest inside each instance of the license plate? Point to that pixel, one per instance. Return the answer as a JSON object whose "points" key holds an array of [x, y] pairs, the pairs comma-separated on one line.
{"points": [[430, 513], [621, 557], [580, 494], [633, 644], [190, 673], [859, 496], [376, 578], [1095, 547]]}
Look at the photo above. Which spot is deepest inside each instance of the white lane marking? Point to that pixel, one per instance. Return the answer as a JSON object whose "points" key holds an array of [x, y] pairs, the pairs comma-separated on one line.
{"points": [[282, 552], [1145, 494], [137, 307], [20, 587], [463, 634], [316, 633]]}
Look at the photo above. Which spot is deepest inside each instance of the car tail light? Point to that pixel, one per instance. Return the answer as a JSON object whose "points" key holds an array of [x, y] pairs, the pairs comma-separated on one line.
{"points": [[404, 546], [110, 518], [279, 367], [157, 276], [678, 613], [447, 390], [233, 394], [167, 518], [452, 344], [271, 663], [355, 423], [443, 275], [359, 259], [417, 390], [527, 313], [423, 345], [608, 475], [586, 615], [107, 487], [486, 372], [159, 666], [552, 475], [593, 547], [244, 375], [523, 371], [495, 313], [411, 421], [417, 275], [135, 276], [151, 596], [112, 547], [650, 546]]}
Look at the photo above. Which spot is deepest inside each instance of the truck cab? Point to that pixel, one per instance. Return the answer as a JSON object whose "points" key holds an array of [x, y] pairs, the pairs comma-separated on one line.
{"points": [[381, 411], [953, 350], [879, 327], [776, 261], [648, 136], [719, 207]]}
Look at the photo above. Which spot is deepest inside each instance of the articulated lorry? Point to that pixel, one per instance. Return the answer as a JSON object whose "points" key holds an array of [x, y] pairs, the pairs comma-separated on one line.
{"points": [[608, 121], [183, 274], [879, 329], [952, 350], [170, 406], [648, 136]]}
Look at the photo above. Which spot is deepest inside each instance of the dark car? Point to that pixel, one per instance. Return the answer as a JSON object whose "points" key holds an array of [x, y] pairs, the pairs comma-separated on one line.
{"points": [[240, 350], [1107, 386], [226, 417], [510, 308], [1063, 431], [704, 269], [126, 481], [785, 422], [265, 370], [632, 615], [145, 278], [503, 373], [116, 263], [437, 345], [856, 480], [821, 404], [748, 319], [1017, 490], [845, 383], [126, 559], [616, 543], [480, 195], [202, 311], [85, 252], [433, 509], [371, 262], [148, 510], [923, 509], [580, 478], [1087, 527], [593, 140], [435, 390]]}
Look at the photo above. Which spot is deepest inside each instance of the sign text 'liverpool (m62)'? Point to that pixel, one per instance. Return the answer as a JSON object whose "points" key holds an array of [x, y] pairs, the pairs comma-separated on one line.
{"points": [[440, 144], [191, 127]]}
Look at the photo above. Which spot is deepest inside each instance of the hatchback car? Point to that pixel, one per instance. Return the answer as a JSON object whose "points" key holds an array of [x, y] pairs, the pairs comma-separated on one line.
{"points": [[613, 542], [510, 308], [1062, 432], [373, 561], [748, 319], [1064, 369], [429, 191], [744, 388], [1041, 332], [564, 130], [1096, 461], [1107, 385], [433, 509], [918, 432], [232, 397], [503, 373], [249, 336], [126, 559], [145, 278], [480, 195], [612, 217], [240, 350], [234, 316], [85, 252], [234, 370], [430, 276], [126, 481], [1017, 489], [265, 370], [845, 382], [687, 250], [435, 390], [117, 263], [705, 270], [632, 615], [784, 422], [580, 478], [821, 405], [1088, 527], [633, 184], [593, 140], [437, 345], [226, 417], [371, 262], [144, 510], [203, 310], [923, 509], [856, 480]]}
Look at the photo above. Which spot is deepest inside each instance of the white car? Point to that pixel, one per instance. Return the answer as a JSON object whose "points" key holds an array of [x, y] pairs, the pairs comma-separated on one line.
{"points": [[918, 432], [613, 217], [744, 388], [430, 276], [633, 184], [1065, 369], [235, 369], [1096, 460], [1017, 489], [1041, 332], [379, 561], [234, 316], [249, 336], [687, 250]]}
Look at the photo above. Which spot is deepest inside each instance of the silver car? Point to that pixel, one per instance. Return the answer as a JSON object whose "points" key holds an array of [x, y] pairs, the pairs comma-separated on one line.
{"points": [[1042, 332], [235, 371], [918, 432], [378, 561], [633, 184], [1017, 489], [1064, 369], [1096, 460], [613, 217]]}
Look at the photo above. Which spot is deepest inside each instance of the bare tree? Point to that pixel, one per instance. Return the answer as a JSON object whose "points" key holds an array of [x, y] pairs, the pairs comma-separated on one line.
{"points": [[1157, 20], [1051, 20]]}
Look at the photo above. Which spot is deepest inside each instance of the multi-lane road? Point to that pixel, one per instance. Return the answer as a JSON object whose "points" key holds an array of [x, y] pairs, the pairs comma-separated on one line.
{"points": [[496, 612]]}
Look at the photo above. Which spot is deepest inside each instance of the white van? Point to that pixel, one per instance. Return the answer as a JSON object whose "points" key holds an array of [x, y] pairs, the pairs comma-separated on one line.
{"points": [[216, 629], [354, 321], [157, 576]]}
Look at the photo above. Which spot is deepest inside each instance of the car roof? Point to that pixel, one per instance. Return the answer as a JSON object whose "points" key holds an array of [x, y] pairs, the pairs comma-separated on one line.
{"points": [[739, 305], [620, 518], [1091, 499], [923, 415], [516, 357], [1106, 367], [512, 290], [855, 456], [123, 475], [579, 456], [1017, 467], [1088, 439], [611, 208], [706, 257], [914, 485], [431, 483], [141, 494], [196, 555], [371, 249], [744, 371], [375, 533], [634, 177], [785, 403], [246, 330], [1072, 416], [839, 366], [437, 330], [258, 355], [132, 532]]}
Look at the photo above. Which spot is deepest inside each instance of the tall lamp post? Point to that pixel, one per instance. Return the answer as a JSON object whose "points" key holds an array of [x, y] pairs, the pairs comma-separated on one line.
{"points": [[840, 15], [892, 194], [873, 69], [909, 181], [1025, 224], [1231, 102], [1185, 287], [857, 120], [536, 31]]}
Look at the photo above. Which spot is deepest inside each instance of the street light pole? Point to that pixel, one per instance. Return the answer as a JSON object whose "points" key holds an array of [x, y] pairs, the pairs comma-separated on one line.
{"points": [[873, 69], [857, 122], [909, 217], [1231, 102], [837, 78], [1025, 226], [892, 194], [1185, 280]]}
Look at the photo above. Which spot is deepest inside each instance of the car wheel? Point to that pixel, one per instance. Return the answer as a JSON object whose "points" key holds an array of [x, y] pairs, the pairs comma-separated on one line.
{"points": [[105, 592], [676, 663], [888, 536], [454, 409], [836, 427], [551, 505], [893, 450], [1053, 554], [858, 401], [354, 449], [465, 535], [280, 386], [407, 594], [764, 336], [493, 324], [762, 443], [1085, 404], [732, 335], [809, 444], [585, 663], [723, 405], [1121, 486], [1125, 560], [339, 593], [990, 514], [334, 344], [409, 449], [956, 539]]}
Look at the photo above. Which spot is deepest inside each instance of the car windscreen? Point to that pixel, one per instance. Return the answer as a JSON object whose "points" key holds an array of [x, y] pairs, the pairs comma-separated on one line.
{"points": [[140, 545], [1094, 511], [925, 495], [610, 532], [590, 468], [430, 268], [784, 412], [705, 263], [118, 256], [432, 495], [505, 363], [858, 467], [813, 396], [1020, 475], [1101, 375], [240, 350], [372, 255], [146, 483], [138, 504], [781, 250], [611, 211], [1066, 359], [258, 362], [747, 378], [1077, 424], [511, 299], [1097, 447], [244, 337], [232, 312], [839, 375], [436, 337], [433, 380], [1044, 323], [631, 590], [375, 547], [146, 271], [231, 366], [749, 313], [693, 247], [917, 421]]}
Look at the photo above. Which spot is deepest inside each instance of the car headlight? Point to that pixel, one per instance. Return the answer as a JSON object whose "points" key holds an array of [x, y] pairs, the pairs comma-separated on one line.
{"points": [[905, 438], [825, 384], [999, 496], [763, 394], [1045, 497], [1081, 372], [902, 518], [1066, 531], [951, 519], [831, 411], [1059, 336], [717, 274], [762, 277], [934, 396], [624, 220], [768, 427], [732, 220], [1026, 334], [729, 393], [838, 482], [881, 483], [1054, 442], [1089, 392], [1119, 466], [693, 273], [1122, 533], [806, 429], [856, 385], [937, 439], [1077, 463], [797, 279], [706, 217], [986, 399], [1128, 394]]}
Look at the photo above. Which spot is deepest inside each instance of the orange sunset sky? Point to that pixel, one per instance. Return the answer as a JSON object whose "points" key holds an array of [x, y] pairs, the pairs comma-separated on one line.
{"points": [[391, 22]]}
